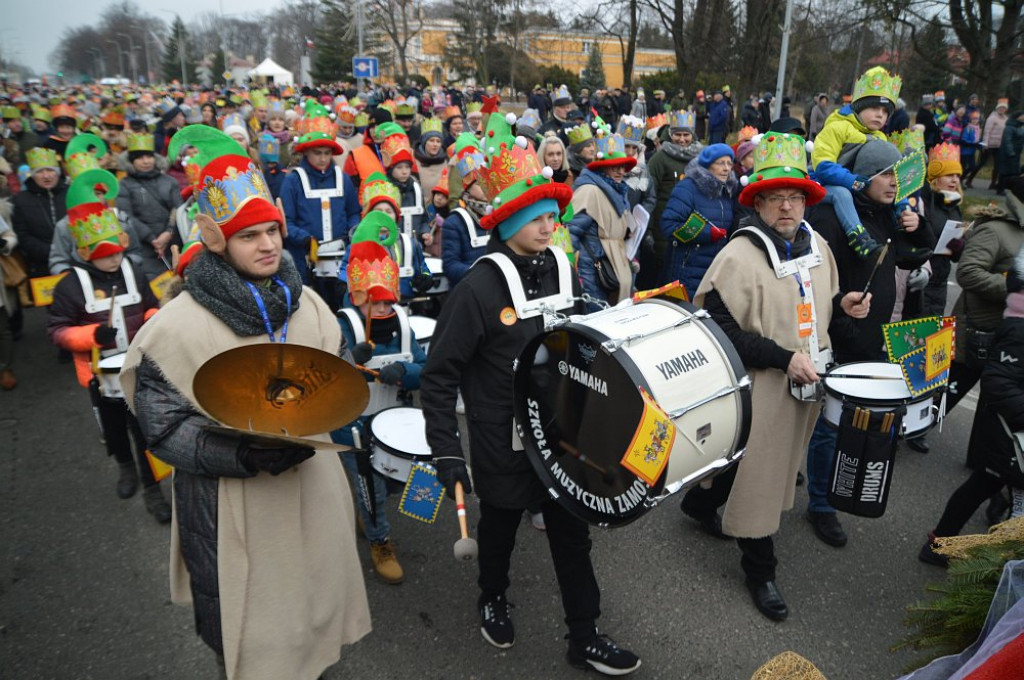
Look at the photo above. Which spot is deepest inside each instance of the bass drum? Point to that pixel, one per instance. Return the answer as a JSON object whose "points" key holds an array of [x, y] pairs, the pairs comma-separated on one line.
{"points": [[580, 408]]}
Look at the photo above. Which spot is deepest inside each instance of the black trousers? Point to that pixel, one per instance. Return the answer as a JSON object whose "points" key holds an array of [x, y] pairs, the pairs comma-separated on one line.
{"points": [[963, 503], [758, 554], [569, 541], [118, 425]]}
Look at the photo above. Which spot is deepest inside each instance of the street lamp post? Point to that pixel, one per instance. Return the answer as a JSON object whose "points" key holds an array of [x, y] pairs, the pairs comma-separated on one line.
{"points": [[120, 60], [131, 55]]}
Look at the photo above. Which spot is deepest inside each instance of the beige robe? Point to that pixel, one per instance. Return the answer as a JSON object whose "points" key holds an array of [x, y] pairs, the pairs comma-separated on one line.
{"points": [[612, 229], [291, 585], [430, 177], [780, 426]]}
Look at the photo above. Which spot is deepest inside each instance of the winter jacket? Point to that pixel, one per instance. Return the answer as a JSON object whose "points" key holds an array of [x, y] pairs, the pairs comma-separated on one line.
{"points": [[842, 127], [970, 140], [899, 121], [994, 126], [864, 341], [457, 254], [989, 249], [36, 213], [1002, 394], [304, 216], [150, 200], [1008, 158], [819, 114], [939, 209], [642, 190], [750, 115], [71, 327], [584, 231], [953, 129], [699, 192], [667, 167], [718, 116], [926, 119], [474, 350]]}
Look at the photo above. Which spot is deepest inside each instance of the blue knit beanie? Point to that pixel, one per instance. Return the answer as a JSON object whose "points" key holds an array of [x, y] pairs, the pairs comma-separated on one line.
{"points": [[713, 152], [519, 219]]}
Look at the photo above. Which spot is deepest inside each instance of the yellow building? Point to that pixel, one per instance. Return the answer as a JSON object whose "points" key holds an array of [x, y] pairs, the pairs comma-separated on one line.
{"points": [[547, 47]]}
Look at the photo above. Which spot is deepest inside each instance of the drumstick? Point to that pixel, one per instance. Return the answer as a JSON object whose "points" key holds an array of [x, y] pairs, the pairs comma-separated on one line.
{"points": [[364, 369], [465, 548], [113, 305], [366, 330], [881, 256], [865, 377], [605, 475]]}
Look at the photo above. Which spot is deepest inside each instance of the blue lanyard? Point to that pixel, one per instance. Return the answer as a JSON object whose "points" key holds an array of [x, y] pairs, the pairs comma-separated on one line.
{"points": [[263, 309]]}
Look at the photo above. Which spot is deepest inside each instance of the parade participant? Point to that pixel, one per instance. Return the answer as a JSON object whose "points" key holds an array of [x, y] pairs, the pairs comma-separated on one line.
{"points": [[970, 142], [397, 158], [474, 117], [263, 544], [454, 125], [430, 155], [911, 246], [345, 119], [941, 196], [270, 163], [405, 117], [437, 212], [707, 190], [84, 320], [582, 148], [527, 125], [391, 351], [925, 117], [1008, 159], [845, 131], [16, 139], [171, 120], [8, 242], [641, 187], [602, 220], [38, 208], [42, 121], [463, 240], [776, 253], [365, 160], [559, 123], [718, 118], [1000, 411], [484, 324], [320, 204], [819, 113], [990, 141], [65, 124], [551, 152], [278, 129], [149, 197]]}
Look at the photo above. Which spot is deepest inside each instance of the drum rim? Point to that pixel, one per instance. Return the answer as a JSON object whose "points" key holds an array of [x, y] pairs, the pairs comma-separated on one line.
{"points": [[377, 443], [870, 401]]}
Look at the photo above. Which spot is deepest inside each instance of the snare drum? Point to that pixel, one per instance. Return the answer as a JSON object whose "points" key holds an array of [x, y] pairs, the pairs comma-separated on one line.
{"points": [[109, 376], [423, 328], [436, 268], [398, 439], [579, 408], [328, 267], [878, 387]]}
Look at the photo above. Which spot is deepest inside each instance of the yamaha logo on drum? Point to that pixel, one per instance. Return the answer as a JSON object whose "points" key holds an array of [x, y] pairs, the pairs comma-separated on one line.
{"points": [[583, 378]]}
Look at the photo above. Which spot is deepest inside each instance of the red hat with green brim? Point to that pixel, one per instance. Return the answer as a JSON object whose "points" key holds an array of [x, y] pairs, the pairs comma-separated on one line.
{"points": [[376, 189], [316, 129], [188, 254], [233, 192], [780, 162]]}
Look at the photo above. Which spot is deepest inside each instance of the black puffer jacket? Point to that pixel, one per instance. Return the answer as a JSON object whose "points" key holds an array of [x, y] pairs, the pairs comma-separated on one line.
{"points": [[474, 350], [149, 198], [36, 213], [1002, 393]]}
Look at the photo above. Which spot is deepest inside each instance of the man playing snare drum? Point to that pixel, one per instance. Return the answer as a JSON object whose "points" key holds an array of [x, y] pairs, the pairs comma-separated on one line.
{"points": [[781, 335]]}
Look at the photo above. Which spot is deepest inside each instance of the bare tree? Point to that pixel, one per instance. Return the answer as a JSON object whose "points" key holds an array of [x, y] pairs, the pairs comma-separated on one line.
{"points": [[401, 21], [620, 19]]}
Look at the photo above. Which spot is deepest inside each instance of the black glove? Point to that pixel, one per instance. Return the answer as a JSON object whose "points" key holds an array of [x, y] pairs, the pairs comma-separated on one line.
{"points": [[421, 282], [362, 353], [273, 460], [104, 335], [392, 374], [451, 470]]}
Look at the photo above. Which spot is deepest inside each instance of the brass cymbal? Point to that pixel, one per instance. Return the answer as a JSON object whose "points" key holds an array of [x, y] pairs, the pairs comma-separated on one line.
{"points": [[280, 389]]}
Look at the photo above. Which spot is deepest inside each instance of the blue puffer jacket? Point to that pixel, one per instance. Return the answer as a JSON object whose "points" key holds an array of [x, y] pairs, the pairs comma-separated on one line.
{"points": [[698, 192], [584, 228], [303, 214], [457, 255]]}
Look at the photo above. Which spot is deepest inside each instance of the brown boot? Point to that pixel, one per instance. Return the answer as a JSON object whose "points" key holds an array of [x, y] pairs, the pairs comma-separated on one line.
{"points": [[385, 562], [7, 380]]}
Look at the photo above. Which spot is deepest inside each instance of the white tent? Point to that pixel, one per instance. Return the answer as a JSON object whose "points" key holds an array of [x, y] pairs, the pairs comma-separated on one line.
{"points": [[272, 72]]}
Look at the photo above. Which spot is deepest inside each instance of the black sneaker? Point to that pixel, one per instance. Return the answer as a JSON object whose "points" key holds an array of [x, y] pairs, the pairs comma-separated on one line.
{"points": [[495, 623], [603, 655]]}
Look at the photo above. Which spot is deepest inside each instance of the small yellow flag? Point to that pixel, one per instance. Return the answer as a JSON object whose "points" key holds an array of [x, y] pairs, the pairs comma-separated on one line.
{"points": [[42, 288], [648, 453], [159, 284], [161, 470], [673, 290], [938, 353]]}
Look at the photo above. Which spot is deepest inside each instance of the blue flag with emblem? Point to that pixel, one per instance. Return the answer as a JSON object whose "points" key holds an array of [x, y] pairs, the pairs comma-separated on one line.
{"points": [[423, 494]]}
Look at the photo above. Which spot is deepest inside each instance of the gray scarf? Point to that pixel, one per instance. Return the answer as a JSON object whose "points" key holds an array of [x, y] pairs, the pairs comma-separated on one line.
{"points": [[216, 285]]}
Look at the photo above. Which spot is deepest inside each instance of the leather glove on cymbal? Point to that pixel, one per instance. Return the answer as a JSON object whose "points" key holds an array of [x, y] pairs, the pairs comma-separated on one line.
{"points": [[451, 470], [273, 460], [362, 352]]}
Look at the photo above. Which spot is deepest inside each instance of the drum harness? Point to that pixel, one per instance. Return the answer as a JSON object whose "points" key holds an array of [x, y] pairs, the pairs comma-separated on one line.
{"points": [[325, 196], [381, 395], [93, 305]]}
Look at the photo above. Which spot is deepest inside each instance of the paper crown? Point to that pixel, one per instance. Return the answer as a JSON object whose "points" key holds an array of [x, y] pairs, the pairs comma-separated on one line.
{"points": [[631, 129], [270, 148], [113, 117], [64, 111], [376, 188], [404, 111], [655, 122], [442, 184], [357, 103], [140, 141], [258, 99], [579, 134], [512, 176], [944, 159], [908, 140], [681, 119], [79, 158], [388, 105], [530, 119], [451, 112], [431, 125], [362, 119], [474, 107], [233, 192], [39, 157], [343, 113], [562, 96], [468, 164], [746, 133], [41, 113], [877, 82], [611, 152], [780, 161], [316, 128], [10, 112], [94, 227], [394, 145], [275, 109], [372, 274], [940, 95]]}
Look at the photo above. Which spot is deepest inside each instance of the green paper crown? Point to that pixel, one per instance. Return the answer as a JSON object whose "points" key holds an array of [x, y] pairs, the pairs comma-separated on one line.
{"points": [[40, 157], [908, 140], [431, 125], [405, 110], [877, 82], [362, 120], [79, 158], [140, 141], [10, 112], [474, 107], [579, 134], [258, 99], [779, 155], [41, 113]]}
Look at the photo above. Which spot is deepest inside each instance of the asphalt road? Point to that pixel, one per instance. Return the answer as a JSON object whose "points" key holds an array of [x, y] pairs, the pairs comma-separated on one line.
{"points": [[83, 575]]}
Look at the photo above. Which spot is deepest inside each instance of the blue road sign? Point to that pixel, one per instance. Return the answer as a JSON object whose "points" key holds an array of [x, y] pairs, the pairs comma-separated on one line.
{"points": [[365, 67]]}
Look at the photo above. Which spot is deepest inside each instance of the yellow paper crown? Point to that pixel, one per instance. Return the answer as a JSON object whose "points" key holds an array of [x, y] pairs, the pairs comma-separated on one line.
{"points": [[40, 157], [579, 134], [877, 82], [140, 141], [474, 107]]}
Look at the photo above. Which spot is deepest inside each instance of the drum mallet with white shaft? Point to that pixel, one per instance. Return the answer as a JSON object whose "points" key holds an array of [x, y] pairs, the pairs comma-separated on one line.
{"points": [[465, 548]]}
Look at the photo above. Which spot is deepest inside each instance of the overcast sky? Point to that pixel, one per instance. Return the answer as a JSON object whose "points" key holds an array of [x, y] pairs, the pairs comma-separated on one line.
{"points": [[30, 32]]}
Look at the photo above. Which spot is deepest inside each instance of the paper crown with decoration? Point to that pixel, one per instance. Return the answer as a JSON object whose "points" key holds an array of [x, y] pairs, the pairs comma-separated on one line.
{"points": [[451, 112], [362, 119], [579, 134], [746, 133], [944, 159], [530, 119], [433, 125], [909, 140], [40, 158], [611, 152], [269, 148], [275, 109], [94, 227], [780, 162], [404, 111], [376, 188], [631, 129], [678, 120], [512, 176], [10, 112], [65, 113], [562, 97], [474, 107], [139, 141], [83, 153], [394, 145], [877, 82], [345, 114], [316, 129], [113, 117], [372, 274], [656, 122], [258, 99], [442, 184], [41, 113]]}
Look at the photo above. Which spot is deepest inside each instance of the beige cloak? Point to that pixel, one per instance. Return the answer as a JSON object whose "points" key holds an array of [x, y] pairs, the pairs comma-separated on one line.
{"points": [[611, 230]]}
